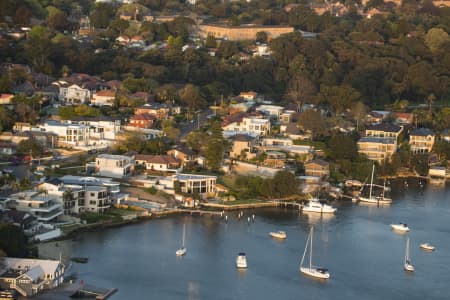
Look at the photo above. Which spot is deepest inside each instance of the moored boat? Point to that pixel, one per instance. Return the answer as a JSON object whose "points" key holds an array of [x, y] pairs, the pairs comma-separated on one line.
{"points": [[241, 261], [427, 246], [400, 227], [278, 234]]}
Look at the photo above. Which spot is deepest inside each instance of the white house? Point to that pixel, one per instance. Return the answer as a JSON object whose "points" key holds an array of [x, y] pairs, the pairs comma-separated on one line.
{"points": [[46, 208], [29, 276], [249, 125], [273, 111], [116, 166], [73, 94], [69, 135], [164, 163], [103, 98], [102, 130]]}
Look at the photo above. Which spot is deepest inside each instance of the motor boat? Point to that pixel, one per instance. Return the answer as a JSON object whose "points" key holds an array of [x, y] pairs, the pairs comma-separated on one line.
{"points": [[182, 250], [426, 246], [278, 234], [315, 206], [311, 270], [400, 227], [241, 261]]}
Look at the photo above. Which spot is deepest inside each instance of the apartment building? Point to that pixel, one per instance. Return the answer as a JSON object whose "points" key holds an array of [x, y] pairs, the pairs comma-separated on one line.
{"points": [[116, 166], [421, 140], [44, 207]]}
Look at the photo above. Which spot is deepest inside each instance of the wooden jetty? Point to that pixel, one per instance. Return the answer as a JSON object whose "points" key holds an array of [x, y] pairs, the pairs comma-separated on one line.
{"points": [[88, 291]]}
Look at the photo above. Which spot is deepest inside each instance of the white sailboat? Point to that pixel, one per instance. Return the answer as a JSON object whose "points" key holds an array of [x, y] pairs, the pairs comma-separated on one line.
{"points": [[182, 251], [311, 270], [407, 263], [241, 261], [375, 199]]}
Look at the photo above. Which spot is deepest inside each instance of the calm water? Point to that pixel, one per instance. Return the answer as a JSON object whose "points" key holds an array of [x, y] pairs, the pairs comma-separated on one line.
{"points": [[364, 256]]}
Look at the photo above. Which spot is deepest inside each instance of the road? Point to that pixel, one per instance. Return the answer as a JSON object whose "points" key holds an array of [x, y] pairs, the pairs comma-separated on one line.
{"points": [[188, 127]]}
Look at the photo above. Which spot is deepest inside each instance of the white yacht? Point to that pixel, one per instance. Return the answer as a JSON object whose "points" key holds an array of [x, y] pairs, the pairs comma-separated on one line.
{"points": [[382, 199], [278, 234], [311, 270], [182, 251], [241, 261], [426, 246], [407, 263], [402, 227], [315, 206]]}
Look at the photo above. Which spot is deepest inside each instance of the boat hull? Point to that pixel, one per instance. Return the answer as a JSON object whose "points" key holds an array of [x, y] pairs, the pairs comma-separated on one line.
{"points": [[314, 272], [408, 267], [427, 247], [399, 228], [375, 200], [278, 235], [181, 252]]}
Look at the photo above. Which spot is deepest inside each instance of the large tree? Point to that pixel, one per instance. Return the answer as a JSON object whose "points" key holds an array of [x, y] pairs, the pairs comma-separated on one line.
{"points": [[215, 147], [300, 90]]}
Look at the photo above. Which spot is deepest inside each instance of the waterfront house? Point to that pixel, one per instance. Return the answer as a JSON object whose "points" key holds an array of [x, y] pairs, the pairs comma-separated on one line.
{"points": [[317, 168], [103, 98], [116, 166], [163, 163], [202, 185], [30, 276], [46, 208], [421, 140], [377, 149]]}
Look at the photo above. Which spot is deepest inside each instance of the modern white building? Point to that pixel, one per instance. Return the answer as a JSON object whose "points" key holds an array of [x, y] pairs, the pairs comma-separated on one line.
{"points": [[116, 166], [45, 207], [73, 94], [30, 276], [69, 135], [103, 131], [249, 125], [273, 111]]}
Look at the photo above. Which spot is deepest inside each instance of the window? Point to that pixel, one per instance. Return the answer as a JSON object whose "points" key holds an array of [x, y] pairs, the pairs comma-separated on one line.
{"points": [[92, 194]]}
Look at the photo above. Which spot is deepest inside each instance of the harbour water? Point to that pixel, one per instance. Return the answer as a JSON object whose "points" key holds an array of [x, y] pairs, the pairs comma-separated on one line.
{"points": [[364, 256]]}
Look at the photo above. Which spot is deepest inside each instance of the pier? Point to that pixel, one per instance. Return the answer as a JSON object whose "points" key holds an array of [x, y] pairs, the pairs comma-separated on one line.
{"points": [[88, 291]]}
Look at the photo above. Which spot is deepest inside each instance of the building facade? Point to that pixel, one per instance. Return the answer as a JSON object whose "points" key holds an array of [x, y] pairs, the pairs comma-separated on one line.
{"points": [[116, 166], [421, 140]]}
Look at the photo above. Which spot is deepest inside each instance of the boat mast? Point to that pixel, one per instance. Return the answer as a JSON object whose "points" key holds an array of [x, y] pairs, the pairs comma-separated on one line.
{"points": [[310, 252], [304, 252], [184, 235], [371, 182]]}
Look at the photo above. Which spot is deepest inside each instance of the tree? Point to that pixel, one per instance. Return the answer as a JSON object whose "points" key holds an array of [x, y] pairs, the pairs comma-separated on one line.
{"points": [[191, 96], [261, 37], [170, 131], [210, 41], [215, 147], [338, 97], [37, 47], [101, 15], [342, 147], [13, 241], [57, 19], [30, 146], [22, 16], [300, 90], [435, 38], [284, 184], [312, 121]]}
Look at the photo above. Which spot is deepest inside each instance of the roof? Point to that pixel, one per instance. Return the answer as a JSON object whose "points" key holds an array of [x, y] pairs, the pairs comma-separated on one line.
{"points": [[183, 149], [242, 138], [35, 272], [320, 162], [421, 132], [47, 266], [105, 93], [157, 159], [386, 127], [227, 120], [143, 117], [113, 157]]}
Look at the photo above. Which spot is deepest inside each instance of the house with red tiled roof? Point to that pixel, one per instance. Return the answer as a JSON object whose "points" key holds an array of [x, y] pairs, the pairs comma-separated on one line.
{"points": [[142, 121], [6, 99], [163, 163], [402, 118], [103, 97]]}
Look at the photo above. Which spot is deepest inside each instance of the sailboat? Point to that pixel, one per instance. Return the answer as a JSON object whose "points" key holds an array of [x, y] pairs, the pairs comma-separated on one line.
{"points": [[311, 270], [407, 264], [182, 251], [375, 199]]}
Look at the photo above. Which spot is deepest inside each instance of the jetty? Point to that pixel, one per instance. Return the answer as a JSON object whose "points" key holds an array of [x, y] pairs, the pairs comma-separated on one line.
{"points": [[88, 291]]}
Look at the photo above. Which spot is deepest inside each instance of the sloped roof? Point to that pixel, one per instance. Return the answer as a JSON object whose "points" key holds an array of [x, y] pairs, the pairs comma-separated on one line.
{"points": [[47, 266], [318, 161], [157, 159], [421, 132], [386, 127]]}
